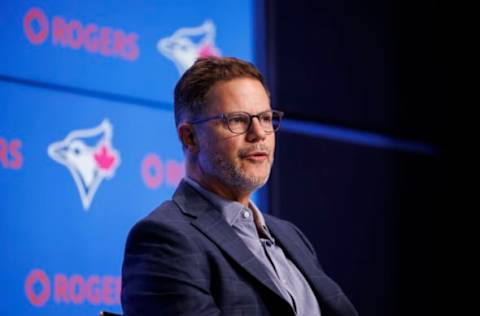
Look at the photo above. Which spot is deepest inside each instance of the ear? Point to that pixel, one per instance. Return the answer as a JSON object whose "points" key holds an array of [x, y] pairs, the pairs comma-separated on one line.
{"points": [[187, 136]]}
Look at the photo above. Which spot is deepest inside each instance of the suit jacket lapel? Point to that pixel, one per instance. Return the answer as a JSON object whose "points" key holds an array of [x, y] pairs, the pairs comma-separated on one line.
{"points": [[211, 223], [330, 296], [301, 258]]}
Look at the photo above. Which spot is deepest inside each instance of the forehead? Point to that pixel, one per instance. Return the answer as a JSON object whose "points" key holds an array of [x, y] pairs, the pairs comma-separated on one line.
{"points": [[242, 94]]}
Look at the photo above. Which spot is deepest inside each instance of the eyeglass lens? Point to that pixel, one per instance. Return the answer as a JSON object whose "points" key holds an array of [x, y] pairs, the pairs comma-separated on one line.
{"points": [[240, 122]]}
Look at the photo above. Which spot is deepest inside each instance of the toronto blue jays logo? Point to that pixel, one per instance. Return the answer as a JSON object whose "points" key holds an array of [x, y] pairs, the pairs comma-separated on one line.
{"points": [[189, 43], [89, 156]]}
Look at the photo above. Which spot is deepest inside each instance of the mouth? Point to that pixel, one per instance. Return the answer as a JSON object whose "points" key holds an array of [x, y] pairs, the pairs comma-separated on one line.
{"points": [[256, 156]]}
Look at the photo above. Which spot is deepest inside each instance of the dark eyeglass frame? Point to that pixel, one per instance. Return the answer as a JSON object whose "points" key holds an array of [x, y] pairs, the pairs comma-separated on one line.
{"points": [[225, 117]]}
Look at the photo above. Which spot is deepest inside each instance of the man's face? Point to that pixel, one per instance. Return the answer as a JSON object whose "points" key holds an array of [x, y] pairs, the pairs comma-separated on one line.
{"points": [[237, 162]]}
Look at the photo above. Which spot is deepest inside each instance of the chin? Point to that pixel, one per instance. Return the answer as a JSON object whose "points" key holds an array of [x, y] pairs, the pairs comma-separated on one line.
{"points": [[259, 179], [256, 174]]}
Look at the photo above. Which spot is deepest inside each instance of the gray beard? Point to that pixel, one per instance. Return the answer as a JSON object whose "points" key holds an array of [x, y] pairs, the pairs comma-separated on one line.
{"points": [[231, 175]]}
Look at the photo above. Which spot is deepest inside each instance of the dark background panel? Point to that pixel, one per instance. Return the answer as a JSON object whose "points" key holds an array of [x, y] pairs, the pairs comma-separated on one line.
{"points": [[373, 65], [370, 213]]}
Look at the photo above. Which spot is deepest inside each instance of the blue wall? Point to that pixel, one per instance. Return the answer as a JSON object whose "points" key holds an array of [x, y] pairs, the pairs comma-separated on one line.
{"points": [[87, 137]]}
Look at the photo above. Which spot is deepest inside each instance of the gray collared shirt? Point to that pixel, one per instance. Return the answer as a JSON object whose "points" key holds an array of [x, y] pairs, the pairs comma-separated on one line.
{"points": [[249, 225]]}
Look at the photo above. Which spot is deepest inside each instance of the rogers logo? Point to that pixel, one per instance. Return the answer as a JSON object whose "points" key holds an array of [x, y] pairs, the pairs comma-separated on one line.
{"points": [[155, 172], [10, 155], [74, 34], [39, 277], [73, 289]]}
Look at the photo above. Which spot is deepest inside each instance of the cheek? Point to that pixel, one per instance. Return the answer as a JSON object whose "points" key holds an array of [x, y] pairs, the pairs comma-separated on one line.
{"points": [[226, 149], [230, 146], [231, 151], [271, 145]]}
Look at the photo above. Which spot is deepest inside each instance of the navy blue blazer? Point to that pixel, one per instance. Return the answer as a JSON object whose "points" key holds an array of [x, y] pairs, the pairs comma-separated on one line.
{"points": [[184, 259]]}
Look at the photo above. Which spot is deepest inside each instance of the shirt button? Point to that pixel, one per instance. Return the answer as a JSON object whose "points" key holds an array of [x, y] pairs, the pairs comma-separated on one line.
{"points": [[246, 214]]}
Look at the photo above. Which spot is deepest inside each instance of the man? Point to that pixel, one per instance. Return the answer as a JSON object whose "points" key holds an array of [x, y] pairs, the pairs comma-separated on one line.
{"points": [[210, 251]]}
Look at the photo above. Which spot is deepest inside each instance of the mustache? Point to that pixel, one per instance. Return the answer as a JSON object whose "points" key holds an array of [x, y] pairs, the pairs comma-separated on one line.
{"points": [[259, 147]]}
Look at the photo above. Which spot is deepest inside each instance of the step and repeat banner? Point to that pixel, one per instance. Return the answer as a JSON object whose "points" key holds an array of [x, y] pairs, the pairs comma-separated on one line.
{"points": [[87, 137]]}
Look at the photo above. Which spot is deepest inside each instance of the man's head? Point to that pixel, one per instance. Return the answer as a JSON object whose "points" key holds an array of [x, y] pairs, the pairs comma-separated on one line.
{"points": [[195, 83], [229, 152]]}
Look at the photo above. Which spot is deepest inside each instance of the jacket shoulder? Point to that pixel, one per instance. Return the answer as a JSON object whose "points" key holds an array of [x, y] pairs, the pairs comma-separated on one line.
{"points": [[165, 220]]}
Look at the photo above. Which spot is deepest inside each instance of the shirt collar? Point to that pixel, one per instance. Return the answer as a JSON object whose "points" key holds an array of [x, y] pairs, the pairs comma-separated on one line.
{"points": [[230, 210]]}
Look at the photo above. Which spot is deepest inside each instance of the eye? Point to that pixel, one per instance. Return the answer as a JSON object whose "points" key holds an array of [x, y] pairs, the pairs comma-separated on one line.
{"points": [[238, 120], [266, 117]]}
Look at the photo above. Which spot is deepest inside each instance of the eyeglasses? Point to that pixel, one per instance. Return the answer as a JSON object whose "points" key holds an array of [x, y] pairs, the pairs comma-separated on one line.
{"points": [[240, 122]]}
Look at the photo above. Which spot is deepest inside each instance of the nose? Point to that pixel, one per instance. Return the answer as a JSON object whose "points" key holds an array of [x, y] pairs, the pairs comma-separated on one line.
{"points": [[256, 131]]}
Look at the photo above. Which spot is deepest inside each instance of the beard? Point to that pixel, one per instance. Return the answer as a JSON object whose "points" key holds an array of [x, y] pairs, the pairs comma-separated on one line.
{"points": [[230, 172]]}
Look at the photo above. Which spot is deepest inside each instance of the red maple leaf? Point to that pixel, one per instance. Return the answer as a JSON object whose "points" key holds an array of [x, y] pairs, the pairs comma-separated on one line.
{"points": [[104, 158], [207, 50]]}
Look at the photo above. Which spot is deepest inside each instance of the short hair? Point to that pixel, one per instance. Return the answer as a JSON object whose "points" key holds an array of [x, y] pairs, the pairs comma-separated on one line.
{"points": [[196, 82]]}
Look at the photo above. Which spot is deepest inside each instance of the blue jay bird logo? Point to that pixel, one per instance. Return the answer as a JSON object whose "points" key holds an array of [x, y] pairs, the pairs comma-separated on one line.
{"points": [[89, 156], [187, 44]]}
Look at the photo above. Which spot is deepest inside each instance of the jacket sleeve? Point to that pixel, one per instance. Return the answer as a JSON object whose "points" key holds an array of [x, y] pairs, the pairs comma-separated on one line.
{"points": [[164, 273]]}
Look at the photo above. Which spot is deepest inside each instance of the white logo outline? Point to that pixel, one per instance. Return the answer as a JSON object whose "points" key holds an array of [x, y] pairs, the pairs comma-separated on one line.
{"points": [[86, 172], [183, 51]]}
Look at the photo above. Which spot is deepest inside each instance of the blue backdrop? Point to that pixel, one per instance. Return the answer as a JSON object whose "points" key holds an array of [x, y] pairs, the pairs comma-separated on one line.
{"points": [[87, 139]]}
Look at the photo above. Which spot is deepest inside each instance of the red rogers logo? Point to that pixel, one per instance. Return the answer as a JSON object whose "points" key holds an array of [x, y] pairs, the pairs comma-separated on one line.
{"points": [[95, 39], [10, 155], [155, 172], [74, 289]]}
